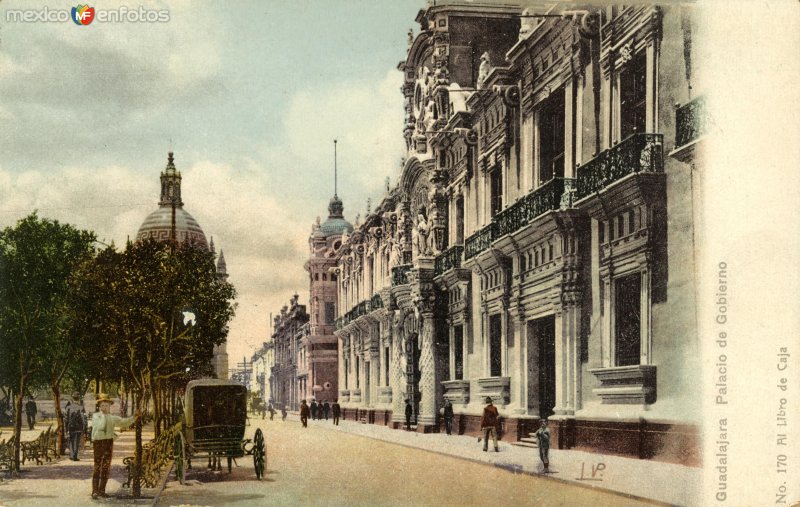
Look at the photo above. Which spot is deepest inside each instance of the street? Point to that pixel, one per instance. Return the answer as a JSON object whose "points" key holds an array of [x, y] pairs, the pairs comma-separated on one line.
{"points": [[321, 466]]}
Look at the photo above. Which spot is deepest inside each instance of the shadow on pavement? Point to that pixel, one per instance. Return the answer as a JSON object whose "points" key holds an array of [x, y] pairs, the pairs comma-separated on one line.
{"points": [[64, 472], [213, 498]]}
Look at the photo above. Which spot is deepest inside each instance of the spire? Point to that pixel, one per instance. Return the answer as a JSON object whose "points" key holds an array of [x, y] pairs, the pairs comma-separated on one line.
{"points": [[335, 171], [335, 207], [211, 245], [170, 184], [222, 267]]}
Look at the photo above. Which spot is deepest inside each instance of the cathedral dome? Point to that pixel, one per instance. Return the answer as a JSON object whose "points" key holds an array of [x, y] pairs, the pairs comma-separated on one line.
{"points": [[158, 224]]}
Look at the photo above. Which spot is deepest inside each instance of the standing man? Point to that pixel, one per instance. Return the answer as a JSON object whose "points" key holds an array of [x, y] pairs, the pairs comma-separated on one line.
{"points": [[543, 435], [304, 413], [326, 409], [489, 424], [409, 413], [284, 411], [337, 411], [448, 417], [271, 411], [30, 411], [313, 408], [75, 424], [103, 435]]}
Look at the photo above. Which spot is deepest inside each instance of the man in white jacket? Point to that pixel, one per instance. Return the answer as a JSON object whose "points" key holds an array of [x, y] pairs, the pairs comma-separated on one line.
{"points": [[103, 436]]}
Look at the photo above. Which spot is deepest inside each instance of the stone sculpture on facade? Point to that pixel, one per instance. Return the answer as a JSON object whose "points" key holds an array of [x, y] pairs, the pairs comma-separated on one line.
{"points": [[484, 70]]}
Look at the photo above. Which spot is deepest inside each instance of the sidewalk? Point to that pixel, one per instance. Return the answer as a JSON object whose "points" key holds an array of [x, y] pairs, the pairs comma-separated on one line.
{"points": [[69, 483], [664, 482]]}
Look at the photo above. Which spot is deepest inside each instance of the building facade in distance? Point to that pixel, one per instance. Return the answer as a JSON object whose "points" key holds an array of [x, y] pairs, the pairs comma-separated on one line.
{"points": [[538, 247], [288, 378]]}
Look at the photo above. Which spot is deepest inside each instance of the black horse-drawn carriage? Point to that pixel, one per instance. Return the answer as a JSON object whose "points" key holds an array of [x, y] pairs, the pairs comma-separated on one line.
{"points": [[214, 420]]}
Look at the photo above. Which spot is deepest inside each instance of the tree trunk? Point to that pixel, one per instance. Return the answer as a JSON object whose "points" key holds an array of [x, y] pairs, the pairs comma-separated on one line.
{"points": [[59, 417], [18, 427], [136, 481]]}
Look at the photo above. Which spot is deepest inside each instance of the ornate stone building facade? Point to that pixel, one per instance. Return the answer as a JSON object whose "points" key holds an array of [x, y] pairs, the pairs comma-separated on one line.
{"points": [[538, 247], [288, 378], [170, 222]]}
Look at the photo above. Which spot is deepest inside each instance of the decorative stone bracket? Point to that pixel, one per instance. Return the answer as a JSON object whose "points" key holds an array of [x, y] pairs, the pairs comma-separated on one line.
{"points": [[457, 391], [384, 394], [497, 388], [628, 385]]}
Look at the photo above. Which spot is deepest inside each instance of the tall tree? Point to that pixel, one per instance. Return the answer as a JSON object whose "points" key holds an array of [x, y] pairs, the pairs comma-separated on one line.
{"points": [[37, 257], [141, 297]]}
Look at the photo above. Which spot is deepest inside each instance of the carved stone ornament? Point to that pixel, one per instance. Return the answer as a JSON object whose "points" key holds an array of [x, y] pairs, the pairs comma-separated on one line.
{"points": [[626, 53], [484, 70]]}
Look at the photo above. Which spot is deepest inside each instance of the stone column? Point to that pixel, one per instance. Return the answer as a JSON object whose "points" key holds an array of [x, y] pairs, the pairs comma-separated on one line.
{"points": [[521, 337], [374, 374], [568, 371], [427, 366], [397, 376]]}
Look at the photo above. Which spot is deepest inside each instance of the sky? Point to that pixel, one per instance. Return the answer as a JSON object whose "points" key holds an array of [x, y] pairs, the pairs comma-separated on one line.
{"points": [[248, 95]]}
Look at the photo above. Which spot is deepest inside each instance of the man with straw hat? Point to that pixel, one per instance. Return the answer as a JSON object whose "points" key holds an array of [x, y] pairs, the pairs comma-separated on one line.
{"points": [[103, 435]]}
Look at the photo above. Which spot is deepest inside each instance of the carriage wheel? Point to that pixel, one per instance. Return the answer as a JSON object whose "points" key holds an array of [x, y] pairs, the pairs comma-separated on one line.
{"points": [[180, 457], [259, 454]]}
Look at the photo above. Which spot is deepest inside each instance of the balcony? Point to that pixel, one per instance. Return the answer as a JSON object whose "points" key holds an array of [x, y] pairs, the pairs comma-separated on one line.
{"points": [[376, 302], [480, 241], [447, 260], [691, 121], [400, 274], [637, 153], [545, 198]]}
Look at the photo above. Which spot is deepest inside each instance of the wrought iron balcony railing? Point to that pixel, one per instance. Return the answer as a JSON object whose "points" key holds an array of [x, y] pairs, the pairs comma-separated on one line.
{"points": [[521, 213], [400, 274], [691, 121], [376, 302], [447, 260], [480, 241], [637, 153]]}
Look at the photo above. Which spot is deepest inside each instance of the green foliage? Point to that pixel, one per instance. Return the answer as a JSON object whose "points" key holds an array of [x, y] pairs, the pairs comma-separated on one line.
{"points": [[37, 257], [131, 304]]}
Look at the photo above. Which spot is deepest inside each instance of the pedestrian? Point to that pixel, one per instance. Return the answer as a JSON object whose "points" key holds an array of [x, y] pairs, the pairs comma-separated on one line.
{"points": [[489, 424], [336, 409], [75, 425], [313, 408], [543, 435], [284, 411], [271, 411], [304, 413], [103, 435], [30, 411], [409, 413], [448, 417]]}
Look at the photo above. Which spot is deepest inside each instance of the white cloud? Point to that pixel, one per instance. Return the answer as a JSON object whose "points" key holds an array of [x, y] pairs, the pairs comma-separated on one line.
{"points": [[72, 94]]}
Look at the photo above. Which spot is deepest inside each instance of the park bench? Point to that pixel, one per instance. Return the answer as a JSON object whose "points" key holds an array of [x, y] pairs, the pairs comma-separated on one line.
{"points": [[41, 447], [7, 454]]}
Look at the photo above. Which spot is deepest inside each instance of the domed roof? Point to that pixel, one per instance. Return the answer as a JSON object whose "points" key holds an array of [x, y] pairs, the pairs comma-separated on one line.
{"points": [[335, 225], [158, 225]]}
